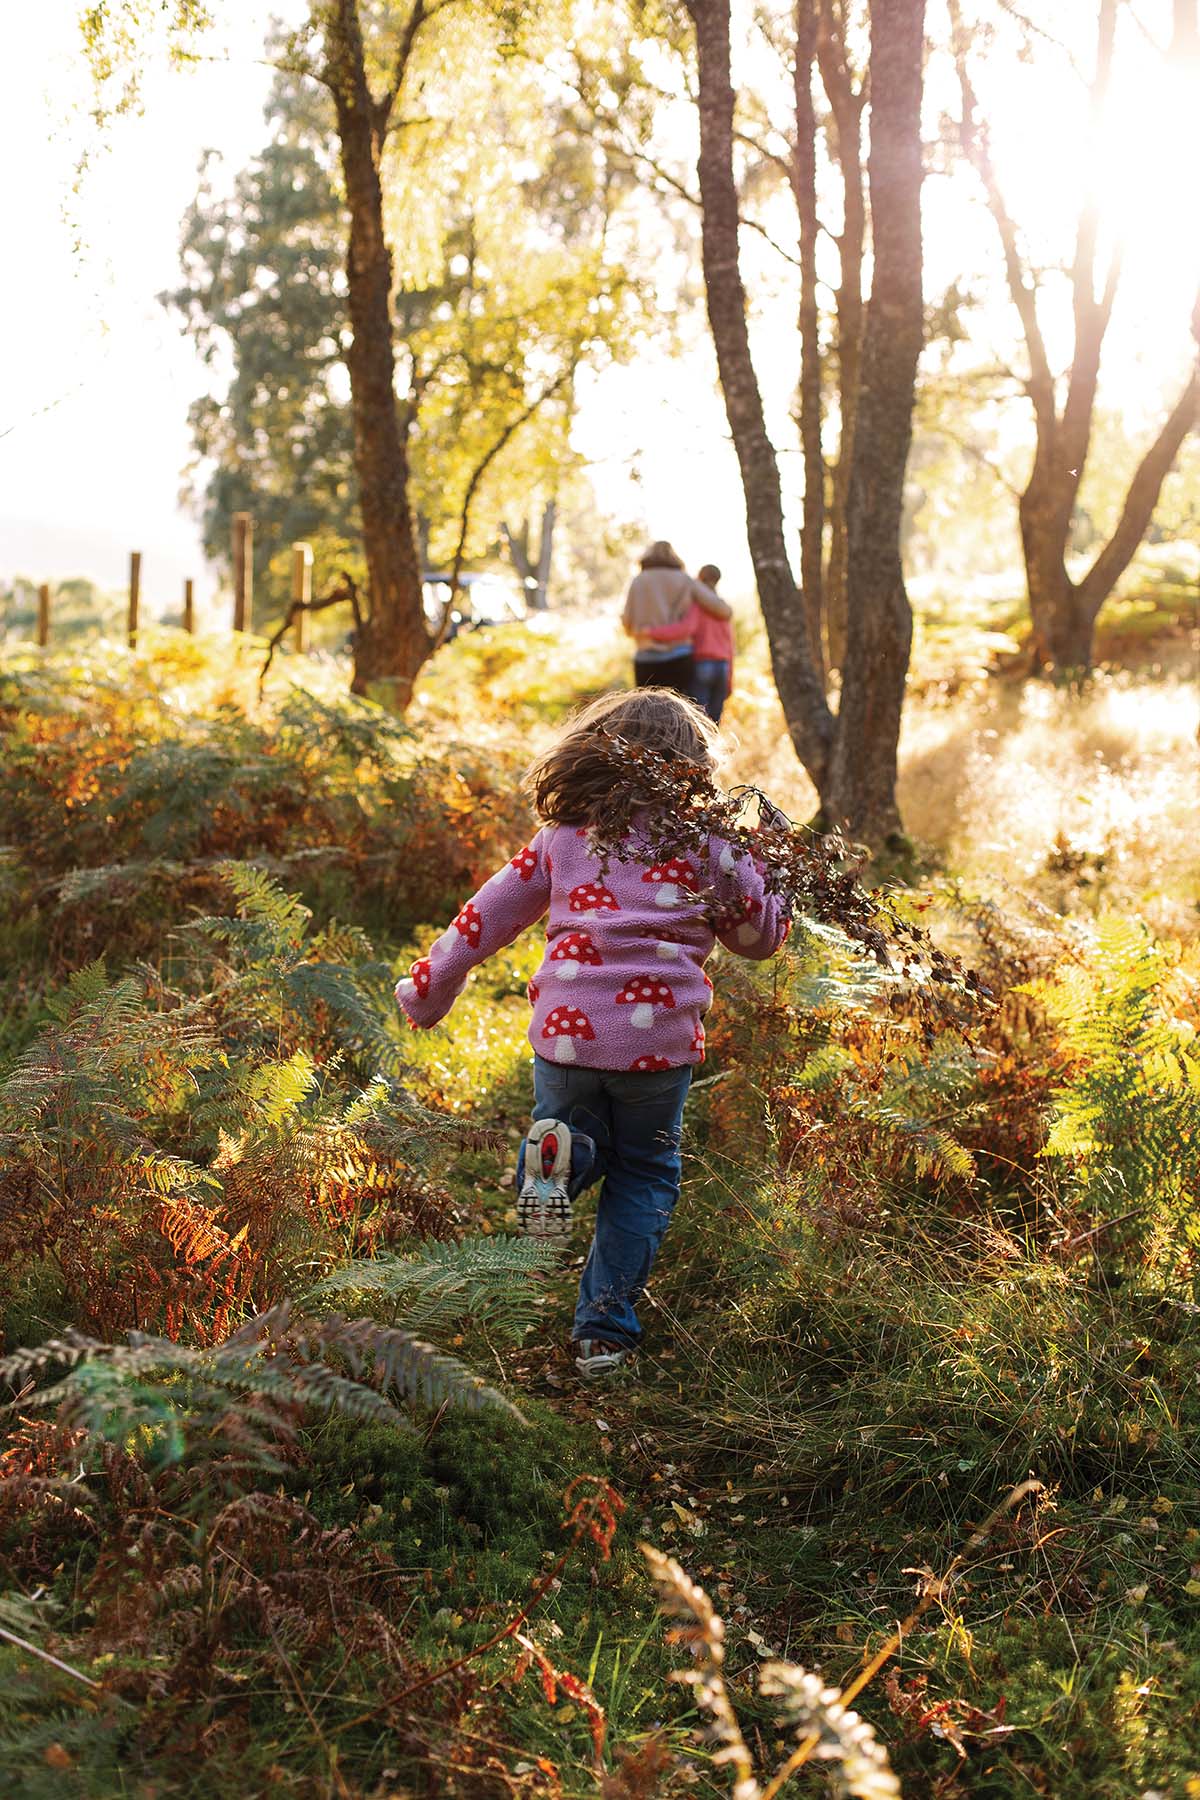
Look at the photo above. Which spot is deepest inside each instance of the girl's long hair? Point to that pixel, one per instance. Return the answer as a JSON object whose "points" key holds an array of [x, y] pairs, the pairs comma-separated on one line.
{"points": [[590, 767]]}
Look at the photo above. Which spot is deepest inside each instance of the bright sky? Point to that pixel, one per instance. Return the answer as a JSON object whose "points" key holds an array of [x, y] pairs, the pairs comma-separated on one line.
{"points": [[98, 379]]}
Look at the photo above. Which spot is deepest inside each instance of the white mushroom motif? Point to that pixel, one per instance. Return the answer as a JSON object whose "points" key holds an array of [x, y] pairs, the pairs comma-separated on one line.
{"points": [[669, 878], [748, 932], [564, 1024], [667, 947], [572, 951], [644, 993]]}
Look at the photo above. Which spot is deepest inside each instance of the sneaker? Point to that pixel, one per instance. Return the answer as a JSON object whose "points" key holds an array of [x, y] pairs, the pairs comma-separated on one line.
{"points": [[596, 1357], [543, 1203]]}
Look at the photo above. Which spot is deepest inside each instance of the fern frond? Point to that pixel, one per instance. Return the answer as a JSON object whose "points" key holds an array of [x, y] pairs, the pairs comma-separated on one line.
{"points": [[810, 1709], [487, 1281], [235, 1401], [703, 1631]]}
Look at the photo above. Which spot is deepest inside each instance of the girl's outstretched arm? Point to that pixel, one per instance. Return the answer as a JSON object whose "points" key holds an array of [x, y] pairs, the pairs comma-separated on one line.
{"points": [[512, 899], [762, 922]]}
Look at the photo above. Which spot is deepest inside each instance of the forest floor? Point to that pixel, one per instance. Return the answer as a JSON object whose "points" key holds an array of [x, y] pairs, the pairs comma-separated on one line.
{"points": [[883, 1304]]}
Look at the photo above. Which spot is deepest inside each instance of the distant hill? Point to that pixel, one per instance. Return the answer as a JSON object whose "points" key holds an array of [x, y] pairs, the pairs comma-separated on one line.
{"points": [[43, 551]]}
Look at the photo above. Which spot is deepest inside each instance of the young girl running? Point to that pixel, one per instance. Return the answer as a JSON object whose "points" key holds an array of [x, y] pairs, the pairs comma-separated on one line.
{"points": [[618, 1001]]}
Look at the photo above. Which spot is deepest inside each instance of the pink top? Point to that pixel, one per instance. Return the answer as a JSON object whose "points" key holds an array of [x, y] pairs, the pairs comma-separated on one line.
{"points": [[712, 639], [622, 982]]}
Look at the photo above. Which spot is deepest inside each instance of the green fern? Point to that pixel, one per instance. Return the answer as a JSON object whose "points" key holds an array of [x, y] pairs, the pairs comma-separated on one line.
{"points": [[274, 967], [490, 1282], [237, 1403], [1128, 1121]]}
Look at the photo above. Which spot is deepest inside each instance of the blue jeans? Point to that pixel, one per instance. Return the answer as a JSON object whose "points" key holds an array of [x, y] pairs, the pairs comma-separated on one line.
{"points": [[634, 1120], [710, 685]]}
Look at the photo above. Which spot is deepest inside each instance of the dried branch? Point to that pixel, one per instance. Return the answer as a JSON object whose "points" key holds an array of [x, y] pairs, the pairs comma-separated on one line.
{"points": [[477, 474], [346, 590]]}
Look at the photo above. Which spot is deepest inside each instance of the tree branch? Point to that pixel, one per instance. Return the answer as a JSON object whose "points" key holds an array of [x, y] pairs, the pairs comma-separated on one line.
{"points": [[1142, 495], [978, 153], [477, 474], [347, 589], [408, 37], [1090, 316]]}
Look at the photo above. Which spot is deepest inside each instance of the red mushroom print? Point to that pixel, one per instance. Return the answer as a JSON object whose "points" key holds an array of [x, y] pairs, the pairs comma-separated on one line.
{"points": [[698, 1042], [421, 976], [564, 1024], [644, 993], [533, 991], [669, 878], [645, 1065], [469, 924], [571, 952], [525, 862], [592, 896]]}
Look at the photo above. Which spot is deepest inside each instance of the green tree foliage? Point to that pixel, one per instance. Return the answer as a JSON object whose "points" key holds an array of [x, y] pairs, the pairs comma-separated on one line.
{"points": [[513, 270]]}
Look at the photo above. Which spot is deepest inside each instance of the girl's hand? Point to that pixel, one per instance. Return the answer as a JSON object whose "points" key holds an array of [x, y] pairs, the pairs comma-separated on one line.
{"points": [[772, 816]]}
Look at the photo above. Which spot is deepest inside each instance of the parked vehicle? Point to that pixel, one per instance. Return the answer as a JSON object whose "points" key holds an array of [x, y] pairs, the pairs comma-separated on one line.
{"points": [[483, 599]]}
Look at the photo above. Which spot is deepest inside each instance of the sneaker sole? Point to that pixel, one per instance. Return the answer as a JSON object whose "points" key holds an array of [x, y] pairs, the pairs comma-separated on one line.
{"points": [[592, 1368], [549, 1222]]}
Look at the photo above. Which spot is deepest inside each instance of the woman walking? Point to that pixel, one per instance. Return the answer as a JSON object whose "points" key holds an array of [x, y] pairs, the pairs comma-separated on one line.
{"points": [[662, 593]]}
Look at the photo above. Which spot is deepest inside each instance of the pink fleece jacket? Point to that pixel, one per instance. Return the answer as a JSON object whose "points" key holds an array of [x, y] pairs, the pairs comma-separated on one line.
{"points": [[622, 982]]}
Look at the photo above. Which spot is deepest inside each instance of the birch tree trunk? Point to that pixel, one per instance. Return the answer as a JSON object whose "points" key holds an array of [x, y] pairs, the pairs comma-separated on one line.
{"points": [[851, 759], [801, 690], [861, 785], [804, 184]]}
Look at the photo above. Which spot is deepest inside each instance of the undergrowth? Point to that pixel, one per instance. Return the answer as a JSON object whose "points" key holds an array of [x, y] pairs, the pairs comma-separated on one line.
{"points": [[282, 1486]]}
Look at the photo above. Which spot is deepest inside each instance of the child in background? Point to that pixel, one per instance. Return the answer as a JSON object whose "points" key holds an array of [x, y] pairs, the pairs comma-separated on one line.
{"points": [[618, 1001], [712, 649]]}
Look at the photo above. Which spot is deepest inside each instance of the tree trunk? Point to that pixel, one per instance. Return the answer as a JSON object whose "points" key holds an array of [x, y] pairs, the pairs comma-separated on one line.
{"points": [[541, 594], [809, 720], [1062, 611], [394, 640], [804, 182], [846, 107], [861, 786]]}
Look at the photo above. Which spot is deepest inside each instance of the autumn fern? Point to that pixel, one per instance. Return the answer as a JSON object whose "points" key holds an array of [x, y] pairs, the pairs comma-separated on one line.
{"points": [[826, 1730]]}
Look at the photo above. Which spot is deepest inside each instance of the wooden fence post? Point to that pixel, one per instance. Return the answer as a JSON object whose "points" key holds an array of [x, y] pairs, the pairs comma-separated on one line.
{"points": [[243, 570], [302, 564], [189, 606], [135, 593], [43, 615]]}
